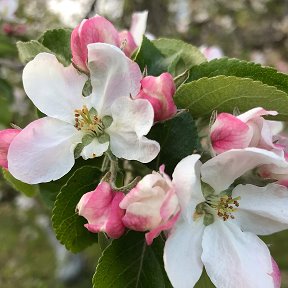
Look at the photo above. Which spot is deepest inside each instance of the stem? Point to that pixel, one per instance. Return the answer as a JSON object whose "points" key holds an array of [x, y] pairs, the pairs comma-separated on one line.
{"points": [[113, 166]]}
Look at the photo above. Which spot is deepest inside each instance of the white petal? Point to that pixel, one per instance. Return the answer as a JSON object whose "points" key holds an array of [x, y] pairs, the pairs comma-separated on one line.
{"points": [[186, 179], [113, 75], [182, 254], [43, 151], [54, 89], [94, 149], [138, 26], [233, 258], [131, 120], [221, 171], [262, 210]]}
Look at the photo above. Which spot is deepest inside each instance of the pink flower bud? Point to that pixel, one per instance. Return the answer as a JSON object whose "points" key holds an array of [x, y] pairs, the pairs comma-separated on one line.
{"points": [[159, 91], [152, 205], [249, 129], [127, 42], [101, 208], [6, 137], [93, 30]]}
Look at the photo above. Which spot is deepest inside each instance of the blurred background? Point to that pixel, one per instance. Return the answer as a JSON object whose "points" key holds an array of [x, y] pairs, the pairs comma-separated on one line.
{"points": [[257, 30]]}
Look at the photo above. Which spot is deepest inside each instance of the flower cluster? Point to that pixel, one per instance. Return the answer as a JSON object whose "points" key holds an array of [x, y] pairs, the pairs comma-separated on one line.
{"points": [[209, 211]]}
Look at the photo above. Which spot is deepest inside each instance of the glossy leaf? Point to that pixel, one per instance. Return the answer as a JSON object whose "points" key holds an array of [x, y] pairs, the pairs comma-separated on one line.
{"points": [[68, 225], [129, 263], [225, 93]]}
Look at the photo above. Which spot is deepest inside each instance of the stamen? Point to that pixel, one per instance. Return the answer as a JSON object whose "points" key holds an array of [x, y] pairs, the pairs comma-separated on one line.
{"points": [[89, 122], [224, 205]]}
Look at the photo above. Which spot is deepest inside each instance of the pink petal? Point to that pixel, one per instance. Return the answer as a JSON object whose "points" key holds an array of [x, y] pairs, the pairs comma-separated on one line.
{"points": [[276, 274], [114, 226], [126, 39], [159, 91], [6, 137], [150, 236], [255, 113], [228, 132]]}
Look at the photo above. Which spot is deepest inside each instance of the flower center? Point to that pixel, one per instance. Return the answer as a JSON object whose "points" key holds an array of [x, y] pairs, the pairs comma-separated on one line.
{"points": [[88, 121], [223, 205]]}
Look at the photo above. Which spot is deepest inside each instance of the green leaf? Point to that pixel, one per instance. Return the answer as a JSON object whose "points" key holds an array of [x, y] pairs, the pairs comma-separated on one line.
{"points": [[224, 94], [68, 225], [27, 189], [58, 41], [242, 69], [129, 263], [177, 137], [49, 191], [179, 56], [174, 56], [148, 56], [28, 50]]}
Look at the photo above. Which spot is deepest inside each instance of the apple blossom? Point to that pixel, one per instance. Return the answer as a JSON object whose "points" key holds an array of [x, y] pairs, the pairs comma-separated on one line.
{"points": [[152, 205], [217, 225], [81, 126], [159, 91], [249, 129], [6, 137], [101, 208]]}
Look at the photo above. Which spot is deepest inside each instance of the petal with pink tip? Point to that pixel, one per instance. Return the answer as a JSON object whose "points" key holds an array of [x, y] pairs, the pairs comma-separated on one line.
{"points": [[113, 75], [255, 113], [228, 132], [233, 258], [221, 171], [43, 151], [276, 275], [54, 89], [132, 119], [6, 137]]}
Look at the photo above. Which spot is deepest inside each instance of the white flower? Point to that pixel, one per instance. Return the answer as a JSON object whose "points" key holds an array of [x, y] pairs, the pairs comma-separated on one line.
{"points": [[217, 226], [108, 118]]}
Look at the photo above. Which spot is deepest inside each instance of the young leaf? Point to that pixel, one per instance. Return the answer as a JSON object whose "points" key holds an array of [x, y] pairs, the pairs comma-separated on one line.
{"points": [[224, 94], [242, 69], [148, 56], [28, 50], [68, 225], [179, 56], [174, 56], [128, 262], [58, 41], [177, 137], [26, 189]]}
